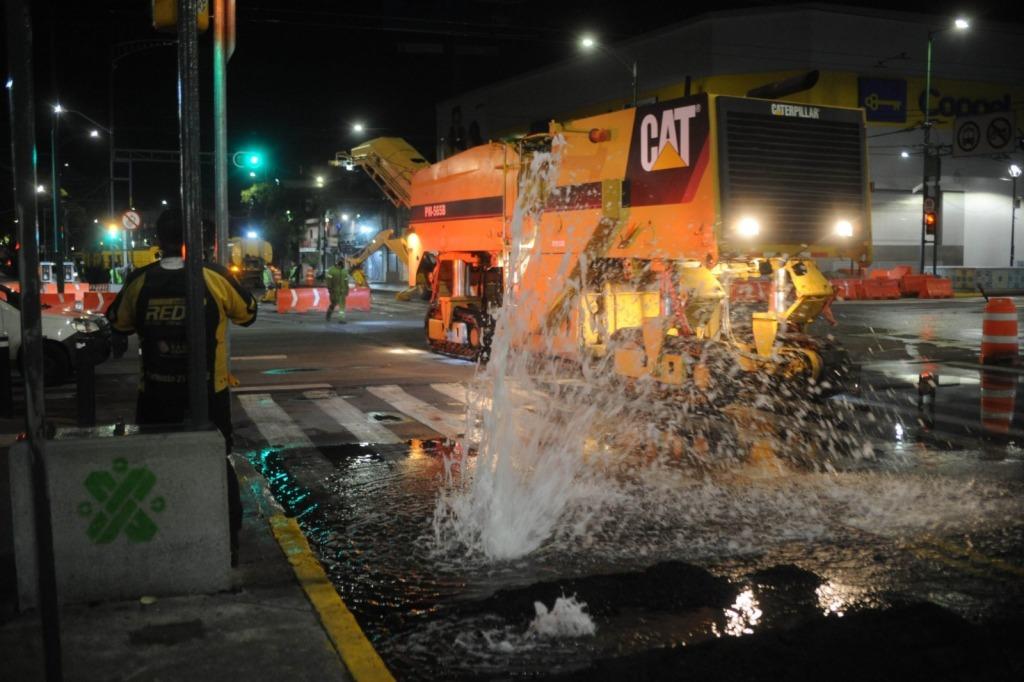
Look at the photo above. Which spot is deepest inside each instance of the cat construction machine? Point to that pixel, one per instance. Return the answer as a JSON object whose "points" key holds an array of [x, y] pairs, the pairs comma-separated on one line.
{"points": [[648, 218]]}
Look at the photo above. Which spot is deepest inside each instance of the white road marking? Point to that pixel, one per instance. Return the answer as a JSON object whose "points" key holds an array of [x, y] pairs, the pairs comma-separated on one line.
{"points": [[274, 424], [242, 358], [355, 422], [458, 392], [279, 387], [448, 425]]}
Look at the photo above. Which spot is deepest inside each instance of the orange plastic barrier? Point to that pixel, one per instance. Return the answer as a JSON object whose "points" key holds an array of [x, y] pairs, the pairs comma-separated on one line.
{"points": [[913, 285], [749, 291], [877, 289], [998, 394], [358, 299], [900, 271], [97, 301], [300, 300], [68, 298], [999, 332], [848, 289], [937, 287]]}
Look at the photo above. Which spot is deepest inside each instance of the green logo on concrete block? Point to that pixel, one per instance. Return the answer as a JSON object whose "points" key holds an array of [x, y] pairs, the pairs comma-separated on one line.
{"points": [[119, 503]]}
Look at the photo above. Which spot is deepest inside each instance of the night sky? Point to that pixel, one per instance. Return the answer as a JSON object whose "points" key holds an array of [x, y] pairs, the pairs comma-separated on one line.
{"points": [[305, 70]]}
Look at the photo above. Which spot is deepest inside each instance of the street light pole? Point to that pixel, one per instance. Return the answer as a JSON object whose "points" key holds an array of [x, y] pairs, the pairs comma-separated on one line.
{"points": [[960, 24], [55, 247], [1015, 172], [926, 156]]}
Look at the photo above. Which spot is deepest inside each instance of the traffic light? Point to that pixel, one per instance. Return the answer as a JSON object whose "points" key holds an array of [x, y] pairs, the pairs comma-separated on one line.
{"points": [[931, 222], [250, 160]]}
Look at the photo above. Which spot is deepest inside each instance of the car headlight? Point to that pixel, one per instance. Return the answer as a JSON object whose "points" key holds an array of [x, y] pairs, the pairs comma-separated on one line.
{"points": [[748, 226], [843, 228], [86, 325]]}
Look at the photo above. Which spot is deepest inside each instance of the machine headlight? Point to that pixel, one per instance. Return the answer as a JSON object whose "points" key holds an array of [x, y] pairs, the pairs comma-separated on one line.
{"points": [[748, 226], [844, 228]]}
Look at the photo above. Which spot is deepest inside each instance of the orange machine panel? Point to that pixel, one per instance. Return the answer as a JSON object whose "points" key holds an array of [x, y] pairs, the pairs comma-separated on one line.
{"points": [[460, 203]]}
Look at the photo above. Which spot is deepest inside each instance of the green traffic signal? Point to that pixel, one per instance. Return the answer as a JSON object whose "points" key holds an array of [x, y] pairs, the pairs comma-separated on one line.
{"points": [[254, 160]]}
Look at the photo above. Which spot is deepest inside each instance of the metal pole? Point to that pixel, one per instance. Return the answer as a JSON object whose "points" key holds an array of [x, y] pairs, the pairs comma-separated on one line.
{"points": [[1013, 217], [55, 246], [927, 146], [220, 131], [110, 123], [191, 208], [23, 157]]}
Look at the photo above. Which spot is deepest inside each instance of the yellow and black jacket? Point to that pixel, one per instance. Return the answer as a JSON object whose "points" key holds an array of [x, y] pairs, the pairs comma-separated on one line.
{"points": [[152, 304]]}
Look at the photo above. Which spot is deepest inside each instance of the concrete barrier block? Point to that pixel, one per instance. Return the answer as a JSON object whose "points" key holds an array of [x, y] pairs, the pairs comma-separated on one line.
{"points": [[133, 515]]}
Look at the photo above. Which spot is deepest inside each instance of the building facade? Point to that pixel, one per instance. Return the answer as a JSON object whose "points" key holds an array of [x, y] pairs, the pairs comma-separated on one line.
{"points": [[864, 58]]}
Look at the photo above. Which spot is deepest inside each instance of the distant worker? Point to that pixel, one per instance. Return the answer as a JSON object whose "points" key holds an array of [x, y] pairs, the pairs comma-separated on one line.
{"points": [[293, 274], [337, 287], [152, 305], [116, 276]]}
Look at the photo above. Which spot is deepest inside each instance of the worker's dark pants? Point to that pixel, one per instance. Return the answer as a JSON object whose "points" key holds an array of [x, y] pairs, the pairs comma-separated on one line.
{"points": [[162, 405], [335, 304]]}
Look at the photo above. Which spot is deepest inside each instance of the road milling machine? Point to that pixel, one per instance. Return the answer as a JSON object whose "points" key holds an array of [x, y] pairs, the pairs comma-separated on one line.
{"points": [[656, 214]]}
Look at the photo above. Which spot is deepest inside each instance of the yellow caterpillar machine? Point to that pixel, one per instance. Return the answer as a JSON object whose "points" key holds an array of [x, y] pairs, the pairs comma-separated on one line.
{"points": [[654, 213], [247, 258]]}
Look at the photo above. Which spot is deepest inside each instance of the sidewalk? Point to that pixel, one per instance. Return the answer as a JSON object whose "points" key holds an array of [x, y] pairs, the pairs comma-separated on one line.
{"points": [[265, 628]]}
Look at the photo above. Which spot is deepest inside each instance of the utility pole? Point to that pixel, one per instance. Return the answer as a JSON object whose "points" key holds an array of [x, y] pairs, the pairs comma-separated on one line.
{"points": [[192, 209], [21, 99], [56, 247]]}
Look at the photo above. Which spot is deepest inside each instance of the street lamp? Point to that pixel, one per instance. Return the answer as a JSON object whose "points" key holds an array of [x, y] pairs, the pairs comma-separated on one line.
{"points": [[959, 24], [1015, 172], [94, 133], [358, 128], [589, 42]]}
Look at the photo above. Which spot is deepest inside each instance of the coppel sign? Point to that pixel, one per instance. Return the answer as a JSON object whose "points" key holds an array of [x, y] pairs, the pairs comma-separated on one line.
{"points": [[952, 106]]}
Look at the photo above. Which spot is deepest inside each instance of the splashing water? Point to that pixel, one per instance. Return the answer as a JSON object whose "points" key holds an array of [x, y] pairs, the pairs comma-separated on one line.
{"points": [[567, 618]]}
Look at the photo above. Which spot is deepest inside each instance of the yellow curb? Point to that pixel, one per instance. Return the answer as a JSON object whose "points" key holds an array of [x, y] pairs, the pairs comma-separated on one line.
{"points": [[359, 656]]}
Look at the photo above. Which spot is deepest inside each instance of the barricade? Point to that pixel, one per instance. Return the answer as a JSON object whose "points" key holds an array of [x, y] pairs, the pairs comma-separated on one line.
{"points": [[303, 299], [999, 342], [59, 300], [97, 301], [358, 299], [877, 289], [912, 285], [749, 291], [998, 394], [848, 289], [937, 287]]}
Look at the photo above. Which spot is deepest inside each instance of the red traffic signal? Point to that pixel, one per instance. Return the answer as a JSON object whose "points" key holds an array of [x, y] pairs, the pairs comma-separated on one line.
{"points": [[931, 221]]}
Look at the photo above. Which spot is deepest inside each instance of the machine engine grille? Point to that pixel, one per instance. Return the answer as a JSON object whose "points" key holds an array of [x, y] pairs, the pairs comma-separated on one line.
{"points": [[797, 175]]}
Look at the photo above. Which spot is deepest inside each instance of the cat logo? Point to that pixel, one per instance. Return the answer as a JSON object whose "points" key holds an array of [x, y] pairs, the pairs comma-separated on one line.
{"points": [[665, 139]]}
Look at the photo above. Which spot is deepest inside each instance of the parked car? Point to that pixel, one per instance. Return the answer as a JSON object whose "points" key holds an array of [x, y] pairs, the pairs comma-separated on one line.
{"points": [[61, 328]]}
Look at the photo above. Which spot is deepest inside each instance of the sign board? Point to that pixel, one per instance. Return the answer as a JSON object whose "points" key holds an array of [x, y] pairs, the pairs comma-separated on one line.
{"points": [[984, 135], [165, 15], [883, 99], [929, 204], [131, 220]]}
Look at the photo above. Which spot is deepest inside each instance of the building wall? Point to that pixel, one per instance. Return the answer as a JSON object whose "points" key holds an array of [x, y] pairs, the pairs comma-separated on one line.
{"points": [[858, 53]]}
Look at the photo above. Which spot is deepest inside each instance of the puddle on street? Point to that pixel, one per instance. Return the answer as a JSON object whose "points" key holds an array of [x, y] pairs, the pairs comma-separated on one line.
{"points": [[704, 558]]}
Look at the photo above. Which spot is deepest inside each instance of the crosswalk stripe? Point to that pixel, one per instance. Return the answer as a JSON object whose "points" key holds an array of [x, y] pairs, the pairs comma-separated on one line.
{"points": [[446, 424], [351, 418], [274, 424], [457, 392]]}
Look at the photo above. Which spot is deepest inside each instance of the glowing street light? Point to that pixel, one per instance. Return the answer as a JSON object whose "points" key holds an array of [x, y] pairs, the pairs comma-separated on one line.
{"points": [[252, 174], [358, 128], [58, 109], [588, 43], [252, 234], [904, 154], [319, 181], [163, 202], [961, 24], [40, 189], [94, 133]]}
